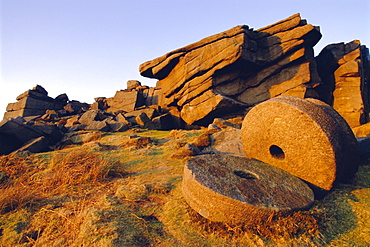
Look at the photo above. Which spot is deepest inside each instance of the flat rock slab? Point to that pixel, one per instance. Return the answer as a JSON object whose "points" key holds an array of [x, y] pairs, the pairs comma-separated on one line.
{"points": [[237, 190], [306, 138]]}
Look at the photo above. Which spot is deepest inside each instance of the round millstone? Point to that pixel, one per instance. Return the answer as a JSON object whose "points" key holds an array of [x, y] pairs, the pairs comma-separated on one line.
{"points": [[237, 190], [304, 137]]}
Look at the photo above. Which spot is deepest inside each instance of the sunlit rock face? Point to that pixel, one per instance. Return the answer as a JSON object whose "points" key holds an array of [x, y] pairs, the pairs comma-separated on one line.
{"points": [[237, 68], [345, 72]]}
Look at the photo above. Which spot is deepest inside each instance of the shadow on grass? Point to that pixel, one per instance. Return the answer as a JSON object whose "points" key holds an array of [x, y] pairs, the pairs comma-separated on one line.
{"points": [[340, 217], [132, 227]]}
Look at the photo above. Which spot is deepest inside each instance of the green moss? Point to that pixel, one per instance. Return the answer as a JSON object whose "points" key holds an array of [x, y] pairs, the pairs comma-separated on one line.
{"points": [[13, 226]]}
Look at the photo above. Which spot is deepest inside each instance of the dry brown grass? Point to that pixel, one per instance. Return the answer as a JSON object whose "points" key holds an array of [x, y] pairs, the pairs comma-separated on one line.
{"points": [[275, 228], [105, 195], [29, 180], [139, 142]]}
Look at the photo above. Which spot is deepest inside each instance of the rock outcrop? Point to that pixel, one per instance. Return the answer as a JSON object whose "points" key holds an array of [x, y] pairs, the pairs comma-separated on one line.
{"points": [[16, 133], [345, 72], [42, 121], [222, 76], [228, 72], [237, 68], [34, 102]]}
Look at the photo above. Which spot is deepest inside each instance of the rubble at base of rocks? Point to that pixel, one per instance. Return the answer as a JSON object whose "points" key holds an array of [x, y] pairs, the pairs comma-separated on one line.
{"points": [[36, 116]]}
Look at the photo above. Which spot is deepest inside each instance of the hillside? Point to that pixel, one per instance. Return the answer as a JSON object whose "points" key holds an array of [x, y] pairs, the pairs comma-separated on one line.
{"points": [[117, 172], [124, 189]]}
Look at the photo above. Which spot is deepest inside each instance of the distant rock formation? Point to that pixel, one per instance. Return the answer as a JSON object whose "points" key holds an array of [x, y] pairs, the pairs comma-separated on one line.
{"points": [[34, 102], [36, 122]]}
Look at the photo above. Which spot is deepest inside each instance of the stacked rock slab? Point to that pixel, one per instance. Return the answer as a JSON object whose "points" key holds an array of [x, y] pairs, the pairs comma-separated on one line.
{"points": [[34, 102], [238, 190], [237, 68], [306, 138], [344, 69], [124, 100], [130, 99]]}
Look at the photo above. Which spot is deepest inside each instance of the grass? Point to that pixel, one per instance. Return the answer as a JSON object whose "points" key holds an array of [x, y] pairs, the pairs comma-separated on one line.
{"points": [[114, 191]]}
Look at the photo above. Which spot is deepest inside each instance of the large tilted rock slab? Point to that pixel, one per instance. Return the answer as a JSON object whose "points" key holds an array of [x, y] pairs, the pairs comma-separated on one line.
{"points": [[238, 66], [237, 190], [306, 138], [345, 71], [16, 132]]}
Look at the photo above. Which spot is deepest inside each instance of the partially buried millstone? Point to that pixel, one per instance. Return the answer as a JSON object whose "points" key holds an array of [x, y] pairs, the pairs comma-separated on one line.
{"points": [[237, 190]]}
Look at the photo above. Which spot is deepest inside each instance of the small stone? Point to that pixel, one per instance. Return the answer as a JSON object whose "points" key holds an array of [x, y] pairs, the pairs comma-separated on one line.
{"points": [[81, 137], [88, 117], [142, 119], [98, 125], [213, 126], [117, 126], [224, 123], [63, 98], [227, 141], [72, 121], [186, 151], [132, 84], [121, 119]]}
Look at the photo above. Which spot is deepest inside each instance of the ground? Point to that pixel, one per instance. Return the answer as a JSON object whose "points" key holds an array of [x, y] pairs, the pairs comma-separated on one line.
{"points": [[119, 190]]}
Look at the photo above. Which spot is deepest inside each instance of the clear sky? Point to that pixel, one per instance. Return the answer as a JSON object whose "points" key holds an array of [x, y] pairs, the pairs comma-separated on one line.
{"points": [[90, 48]]}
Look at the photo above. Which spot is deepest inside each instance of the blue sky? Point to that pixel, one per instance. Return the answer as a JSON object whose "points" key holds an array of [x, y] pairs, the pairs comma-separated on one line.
{"points": [[90, 48]]}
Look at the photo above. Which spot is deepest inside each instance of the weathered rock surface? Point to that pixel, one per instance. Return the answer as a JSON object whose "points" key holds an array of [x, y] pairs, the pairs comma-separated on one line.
{"points": [[34, 102], [125, 100], [17, 133], [118, 126], [227, 141], [164, 122], [307, 138], [76, 107], [237, 190], [238, 66], [150, 112], [80, 137], [19, 130], [132, 84], [153, 96], [345, 71], [98, 125], [36, 145]]}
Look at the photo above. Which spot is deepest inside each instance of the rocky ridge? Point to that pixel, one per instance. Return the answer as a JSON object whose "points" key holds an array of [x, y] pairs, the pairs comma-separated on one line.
{"points": [[221, 76]]}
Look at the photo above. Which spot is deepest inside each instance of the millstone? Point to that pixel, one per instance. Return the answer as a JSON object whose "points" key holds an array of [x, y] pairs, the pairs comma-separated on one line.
{"points": [[236, 190], [306, 138]]}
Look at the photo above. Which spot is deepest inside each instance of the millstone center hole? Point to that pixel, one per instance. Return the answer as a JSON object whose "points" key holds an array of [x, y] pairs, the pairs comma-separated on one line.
{"points": [[277, 152], [246, 175]]}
